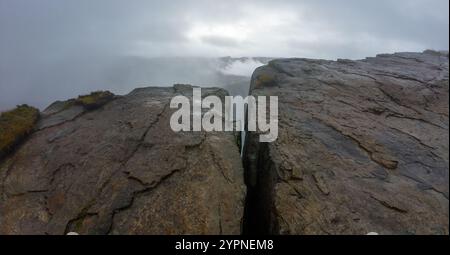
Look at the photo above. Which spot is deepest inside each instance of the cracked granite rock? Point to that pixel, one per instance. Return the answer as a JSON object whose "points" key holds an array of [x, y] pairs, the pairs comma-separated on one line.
{"points": [[120, 169], [363, 147]]}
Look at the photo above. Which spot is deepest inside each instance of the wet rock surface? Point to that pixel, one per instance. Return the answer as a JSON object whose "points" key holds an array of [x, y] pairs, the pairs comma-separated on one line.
{"points": [[363, 147], [120, 169]]}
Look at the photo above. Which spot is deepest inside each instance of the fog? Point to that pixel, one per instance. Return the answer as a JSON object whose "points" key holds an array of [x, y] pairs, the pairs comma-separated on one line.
{"points": [[242, 68], [75, 76], [53, 49]]}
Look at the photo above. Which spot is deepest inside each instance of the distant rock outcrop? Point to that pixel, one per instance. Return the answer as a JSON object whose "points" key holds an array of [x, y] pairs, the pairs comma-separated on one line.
{"points": [[363, 147], [120, 169]]}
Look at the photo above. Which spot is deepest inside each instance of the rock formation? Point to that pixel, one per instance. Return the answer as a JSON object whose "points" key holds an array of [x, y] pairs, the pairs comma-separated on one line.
{"points": [[363, 147], [120, 169]]}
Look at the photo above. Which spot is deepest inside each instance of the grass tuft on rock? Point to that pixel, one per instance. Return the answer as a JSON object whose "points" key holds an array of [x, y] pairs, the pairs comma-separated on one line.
{"points": [[95, 99], [15, 125]]}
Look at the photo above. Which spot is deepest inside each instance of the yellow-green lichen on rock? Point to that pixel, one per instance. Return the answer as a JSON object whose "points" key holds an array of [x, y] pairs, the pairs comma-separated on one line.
{"points": [[95, 99], [15, 125]]}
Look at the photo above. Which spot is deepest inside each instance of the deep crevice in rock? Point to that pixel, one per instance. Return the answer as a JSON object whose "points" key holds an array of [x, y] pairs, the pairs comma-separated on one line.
{"points": [[260, 181]]}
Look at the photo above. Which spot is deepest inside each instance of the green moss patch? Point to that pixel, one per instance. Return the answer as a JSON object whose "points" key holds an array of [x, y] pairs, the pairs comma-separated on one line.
{"points": [[15, 125], [94, 100]]}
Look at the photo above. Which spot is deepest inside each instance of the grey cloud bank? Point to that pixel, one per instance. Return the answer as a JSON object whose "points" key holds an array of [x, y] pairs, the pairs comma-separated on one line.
{"points": [[53, 49]]}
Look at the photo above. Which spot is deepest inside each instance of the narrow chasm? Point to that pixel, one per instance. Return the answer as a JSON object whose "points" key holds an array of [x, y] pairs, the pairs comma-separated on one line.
{"points": [[259, 181], [254, 223]]}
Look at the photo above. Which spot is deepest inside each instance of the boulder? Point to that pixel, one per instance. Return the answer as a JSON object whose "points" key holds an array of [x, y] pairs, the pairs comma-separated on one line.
{"points": [[363, 147], [120, 169]]}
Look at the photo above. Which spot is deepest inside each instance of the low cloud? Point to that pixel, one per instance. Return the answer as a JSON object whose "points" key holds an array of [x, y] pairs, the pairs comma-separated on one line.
{"points": [[241, 67], [220, 41], [51, 48]]}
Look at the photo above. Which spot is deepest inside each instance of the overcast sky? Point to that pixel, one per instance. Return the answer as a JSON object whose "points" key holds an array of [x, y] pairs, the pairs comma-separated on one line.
{"points": [[37, 36]]}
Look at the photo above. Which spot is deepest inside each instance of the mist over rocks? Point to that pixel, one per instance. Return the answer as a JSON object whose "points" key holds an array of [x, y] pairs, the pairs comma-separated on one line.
{"points": [[363, 147], [121, 74]]}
